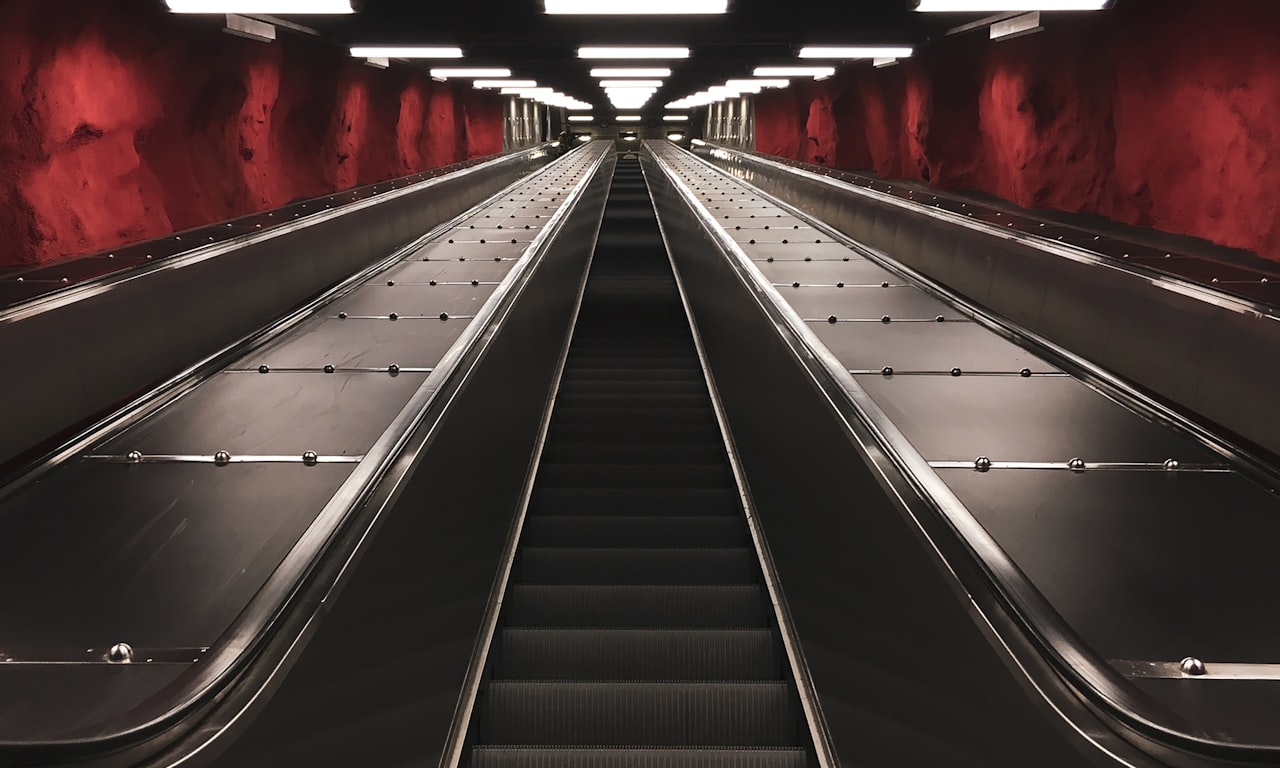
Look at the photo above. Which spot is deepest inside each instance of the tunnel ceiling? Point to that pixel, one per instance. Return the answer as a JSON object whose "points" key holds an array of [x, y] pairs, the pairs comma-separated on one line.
{"points": [[518, 35]]}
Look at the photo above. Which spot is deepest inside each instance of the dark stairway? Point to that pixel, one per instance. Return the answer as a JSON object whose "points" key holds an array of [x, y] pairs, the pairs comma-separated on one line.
{"points": [[636, 629]]}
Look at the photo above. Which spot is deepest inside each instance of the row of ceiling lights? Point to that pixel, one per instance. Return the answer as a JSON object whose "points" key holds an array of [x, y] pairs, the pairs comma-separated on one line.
{"points": [[627, 88]]}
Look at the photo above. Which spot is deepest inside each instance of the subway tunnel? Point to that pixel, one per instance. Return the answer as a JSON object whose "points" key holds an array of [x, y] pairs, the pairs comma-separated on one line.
{"points": [[716, 383]]}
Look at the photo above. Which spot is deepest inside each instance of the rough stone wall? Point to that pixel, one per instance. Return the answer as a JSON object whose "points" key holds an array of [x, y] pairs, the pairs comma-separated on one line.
{"points": [[120, 122], [1160, 113]]}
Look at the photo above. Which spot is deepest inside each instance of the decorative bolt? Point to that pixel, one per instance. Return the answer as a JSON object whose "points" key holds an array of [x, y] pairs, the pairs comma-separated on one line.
{"points": [[433, 282], [940, 319], [1025, 373], [393, 369], [886, 319], [796, 284], [1171, 464], [444, 315], [394, 316], [264, 369], [120, 653], [982, 464], [839, 285], [887, 370], [134, 456], [956, 371], [1076, 465], [222, 458], [342, 315], [885, 284], [391, 283], [833, 319], [310, 458], [1192, 666], [328, 368]]}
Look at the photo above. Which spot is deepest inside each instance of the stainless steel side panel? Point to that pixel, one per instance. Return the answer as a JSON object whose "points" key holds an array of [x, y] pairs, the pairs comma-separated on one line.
{"points": [[1205, 352], [72, 356]]}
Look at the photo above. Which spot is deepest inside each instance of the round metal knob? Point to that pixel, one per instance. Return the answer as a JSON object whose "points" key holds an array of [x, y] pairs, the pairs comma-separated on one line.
{"points": [[1076, 465], [1025, 373], [342, 315], [887, 370], [433, 282], [310, 458], [839, 285], [391, 283], [264, 369], [393, 369], [329, 368], [1171, 464], [956, 371], [886, 319], [444, 315], [222, 458], [982, 464], [833, 319], [885, 284], [134, 456], [394, 316], [120, 653], [1192, 666], [940, 319], [796, 284]]}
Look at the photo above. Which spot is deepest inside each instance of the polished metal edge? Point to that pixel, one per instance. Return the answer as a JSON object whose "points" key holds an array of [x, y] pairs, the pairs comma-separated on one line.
{"points": [[1077, 465], [288, 577], [800, 673], [884, 320], [1073, 657], [1191, 668], [89, 288], [455, 744], [1159, 279], [890, 373], [393, 372]]}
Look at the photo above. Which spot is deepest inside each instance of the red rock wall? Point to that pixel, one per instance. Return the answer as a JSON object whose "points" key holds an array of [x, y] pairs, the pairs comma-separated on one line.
{"points": [[1161, 113], [120, 122]]}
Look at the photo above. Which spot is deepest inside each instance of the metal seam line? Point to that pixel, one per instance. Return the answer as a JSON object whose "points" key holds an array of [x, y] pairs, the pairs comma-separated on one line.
{"points": [[397, 316], [885, 320], [1076, 465], [93, 656], [1200, 670], [952, 373], [214, 458], [398, 370]]}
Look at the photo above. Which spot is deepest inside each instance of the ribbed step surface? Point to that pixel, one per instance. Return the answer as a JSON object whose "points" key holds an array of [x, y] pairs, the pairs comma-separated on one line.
{"points": [[635, 628]]}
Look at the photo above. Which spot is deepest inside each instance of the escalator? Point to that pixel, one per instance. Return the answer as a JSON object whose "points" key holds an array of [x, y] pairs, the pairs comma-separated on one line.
{"points": [[636, 628]]}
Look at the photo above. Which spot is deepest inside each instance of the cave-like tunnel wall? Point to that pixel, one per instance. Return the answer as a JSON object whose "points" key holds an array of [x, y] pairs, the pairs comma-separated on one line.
{"points": [[1160, 113], [121, 122]]}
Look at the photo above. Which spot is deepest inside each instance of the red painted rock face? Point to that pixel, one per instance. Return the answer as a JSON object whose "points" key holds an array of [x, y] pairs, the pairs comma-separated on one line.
{"points": [[1157, 113], [127, 123]]}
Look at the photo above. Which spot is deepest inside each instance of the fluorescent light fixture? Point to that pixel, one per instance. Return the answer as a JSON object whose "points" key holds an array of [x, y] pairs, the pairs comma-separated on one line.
{"points": [[675, 137], [648, 8], [630, 83], [996, 6], [761, 82], [855, 52], [628, 138], [882, 63], [525, 92], [584, 138], [505, 84], [698, 142], [259, 7], [406, 51], [377, 63], [628, 118], [582, 118], [479, 73], [815, 72], [676, 118], [607, 72], [631, 52]]}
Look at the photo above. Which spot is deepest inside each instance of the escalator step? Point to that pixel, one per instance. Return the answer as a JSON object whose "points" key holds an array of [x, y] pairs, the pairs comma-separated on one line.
{"points": [[527, 757], [636, 501], [634, 452], [633, 531], [638, 714], [539, 605], [559, 565], [633, 416], [635, 476], [688, 373], [672, 432], [638, 654]]}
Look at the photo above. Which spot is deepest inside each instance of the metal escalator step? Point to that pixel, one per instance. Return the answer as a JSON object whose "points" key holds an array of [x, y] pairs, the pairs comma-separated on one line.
{"points": [[638, 714], [541, 605], [564, 415], [533, 757], [633, 565], [689, 373], [646, 432], [628, 401], [632, 451], [636, 501], [614, 362], [638, 654], [688, 387], [635, 475], [634, 531]]}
